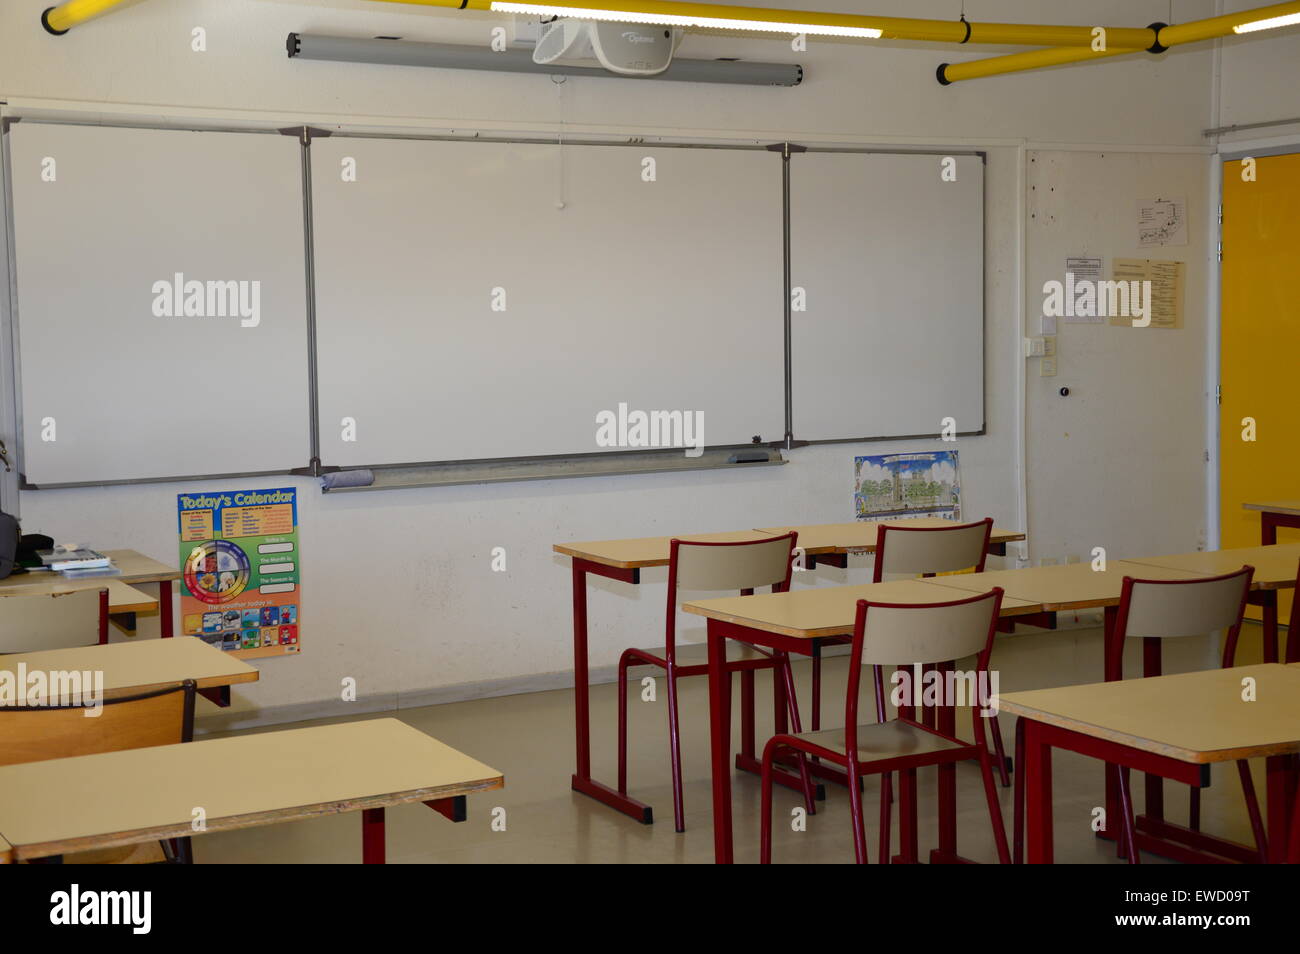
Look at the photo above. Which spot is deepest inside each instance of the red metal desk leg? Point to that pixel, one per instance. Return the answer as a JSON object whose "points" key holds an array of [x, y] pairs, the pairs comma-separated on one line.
{"points": [[372, 836], [217, 695], [453, 808], [1154, 785], [1018, 808], [1110, 830], [1267, 600], [1268, 524], [1038, 792], [720, 743], [582, 780], [103, 617], [165, 608], [946, 722], [1280, 783]]}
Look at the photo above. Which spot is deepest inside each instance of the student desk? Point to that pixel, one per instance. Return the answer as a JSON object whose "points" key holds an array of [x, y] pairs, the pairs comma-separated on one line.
{"points": [[616, 560], [831, 543], [130, 668], [791, 622], [135, 568], [1274, 514], [125, 602], [1171, 726], [1063, 587], [142, 795], [1078, 586], [124, 599], [1275, 569], [6, 852], [623, 560]]}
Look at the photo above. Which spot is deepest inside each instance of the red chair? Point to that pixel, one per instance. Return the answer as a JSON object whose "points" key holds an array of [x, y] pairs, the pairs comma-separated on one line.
{"points": [[921, 551], [914, 635], [1153, 610], [742, 566]]}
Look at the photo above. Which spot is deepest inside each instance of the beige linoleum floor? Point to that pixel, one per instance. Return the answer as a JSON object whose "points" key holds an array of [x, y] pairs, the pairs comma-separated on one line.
{"points": [[530, 739]]}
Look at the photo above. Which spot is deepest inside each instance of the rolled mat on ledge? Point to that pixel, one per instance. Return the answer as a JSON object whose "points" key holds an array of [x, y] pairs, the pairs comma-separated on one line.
{"points": [[347, 478]]}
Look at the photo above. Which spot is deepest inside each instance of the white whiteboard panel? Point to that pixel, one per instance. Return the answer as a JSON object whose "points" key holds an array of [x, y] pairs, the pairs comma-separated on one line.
{"points": [[891, 258], [661, 295], [101, 215]]}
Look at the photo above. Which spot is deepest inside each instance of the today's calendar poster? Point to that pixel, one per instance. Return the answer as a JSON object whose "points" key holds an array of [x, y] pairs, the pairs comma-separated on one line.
{"points": [[241, 587]]}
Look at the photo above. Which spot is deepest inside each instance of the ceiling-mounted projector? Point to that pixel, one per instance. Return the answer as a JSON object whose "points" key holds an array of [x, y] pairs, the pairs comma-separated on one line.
{"points": [[627, 48]]}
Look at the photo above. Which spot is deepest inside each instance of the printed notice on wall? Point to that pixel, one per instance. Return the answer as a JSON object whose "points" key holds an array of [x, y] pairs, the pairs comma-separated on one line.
{"points": [[240, 578], [1164, 302], [1081, 272], [1162, 222]]}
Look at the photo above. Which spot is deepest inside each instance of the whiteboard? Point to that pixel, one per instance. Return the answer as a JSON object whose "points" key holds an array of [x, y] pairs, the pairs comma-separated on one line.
{"points": [[890, 259], [660, 293], [112, 391]]}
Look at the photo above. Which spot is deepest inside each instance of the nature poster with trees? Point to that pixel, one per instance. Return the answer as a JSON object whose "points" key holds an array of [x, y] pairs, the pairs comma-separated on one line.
{"points": [[890, 486]]}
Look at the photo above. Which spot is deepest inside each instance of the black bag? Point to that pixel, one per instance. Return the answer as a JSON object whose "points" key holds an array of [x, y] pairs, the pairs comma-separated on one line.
{"points": [[8, 544]]}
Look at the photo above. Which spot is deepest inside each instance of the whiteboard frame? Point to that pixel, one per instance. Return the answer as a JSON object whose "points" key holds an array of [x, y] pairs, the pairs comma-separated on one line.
{"points": [[984, 240], [547, 464], [11, 352]]}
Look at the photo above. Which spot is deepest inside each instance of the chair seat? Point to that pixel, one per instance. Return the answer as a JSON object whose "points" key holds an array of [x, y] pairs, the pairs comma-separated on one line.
{"points": [[884, 740], [697, 654]]}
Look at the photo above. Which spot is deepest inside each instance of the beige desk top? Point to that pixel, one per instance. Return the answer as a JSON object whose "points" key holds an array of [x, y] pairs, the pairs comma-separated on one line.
{"points": [[135, 567], [830, 610], [860, 535], [1275, 506], [123, 598], [140, 795], [639, 552], [143, 665], [1066, 586], [1275, 566], [1193, 717]]}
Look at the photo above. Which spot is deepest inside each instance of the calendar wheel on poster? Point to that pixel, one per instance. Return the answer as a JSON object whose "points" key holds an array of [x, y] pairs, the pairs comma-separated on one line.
{"points": [[216, 571]]}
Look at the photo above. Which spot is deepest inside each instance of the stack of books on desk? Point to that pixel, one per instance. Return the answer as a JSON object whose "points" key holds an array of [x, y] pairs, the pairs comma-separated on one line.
{"points": [[78, 562]]}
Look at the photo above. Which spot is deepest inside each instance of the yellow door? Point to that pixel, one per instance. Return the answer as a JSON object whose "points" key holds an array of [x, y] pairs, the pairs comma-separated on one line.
{"points": [[1259, 349]]}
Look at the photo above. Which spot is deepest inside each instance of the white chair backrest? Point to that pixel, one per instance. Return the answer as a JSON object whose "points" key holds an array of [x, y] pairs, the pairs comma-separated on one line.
{"points": [[31, 623], [733, 567], [931, 550], [900, 636], [1185, 608]]}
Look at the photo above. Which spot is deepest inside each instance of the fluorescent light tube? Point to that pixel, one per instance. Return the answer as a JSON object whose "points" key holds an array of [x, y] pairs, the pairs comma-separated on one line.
{"points": [[670, 19], [1272, 23]]}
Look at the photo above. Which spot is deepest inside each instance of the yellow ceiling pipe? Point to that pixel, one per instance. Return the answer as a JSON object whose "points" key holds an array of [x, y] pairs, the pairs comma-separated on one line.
{"points": [[1243, 22], [766, 19], [1229, 23], [59, 20], [949, 73]]}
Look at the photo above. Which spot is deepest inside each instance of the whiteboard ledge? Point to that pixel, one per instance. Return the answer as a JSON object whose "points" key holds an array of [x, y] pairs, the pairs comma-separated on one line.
{"points": [[397, 477]]}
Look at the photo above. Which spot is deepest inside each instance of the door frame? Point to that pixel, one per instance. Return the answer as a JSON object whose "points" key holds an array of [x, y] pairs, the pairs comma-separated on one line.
{"points": [[10, 430], [1227, 152]]}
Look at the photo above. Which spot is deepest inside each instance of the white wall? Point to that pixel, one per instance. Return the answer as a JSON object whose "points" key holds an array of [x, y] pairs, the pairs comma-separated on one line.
{"points": [[398, 590], [1259, 76]]}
